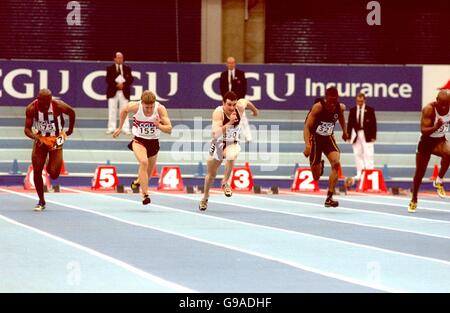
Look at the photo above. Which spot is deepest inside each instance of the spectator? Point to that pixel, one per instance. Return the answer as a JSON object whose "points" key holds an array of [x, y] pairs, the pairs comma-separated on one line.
{"points": [[233, 80], [364, 123], [119, 80]]}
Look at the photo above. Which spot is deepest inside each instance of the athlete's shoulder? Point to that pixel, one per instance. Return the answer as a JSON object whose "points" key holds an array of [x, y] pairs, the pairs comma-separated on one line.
{"points": [[218, 109], [428, 108], [160, 105], [30, 108], [218, 113], [317, 107], [162, 109]]}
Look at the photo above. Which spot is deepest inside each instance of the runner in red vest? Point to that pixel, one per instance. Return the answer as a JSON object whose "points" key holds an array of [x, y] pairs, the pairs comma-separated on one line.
{"points": [[46, 115]]}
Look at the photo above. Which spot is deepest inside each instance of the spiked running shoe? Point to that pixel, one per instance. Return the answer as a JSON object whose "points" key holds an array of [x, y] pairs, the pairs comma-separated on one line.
{"points": [[135, 184], [439, 189], [412, 207], [203, 205], [39, 207], [146, 200], [331, 203], [227, 190]]}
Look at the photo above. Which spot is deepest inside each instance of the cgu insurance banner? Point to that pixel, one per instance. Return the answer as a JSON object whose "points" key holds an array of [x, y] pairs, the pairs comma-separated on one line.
{"points": [[194, 85]]}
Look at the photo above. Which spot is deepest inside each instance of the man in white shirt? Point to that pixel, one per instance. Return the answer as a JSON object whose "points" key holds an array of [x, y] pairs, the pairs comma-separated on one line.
{"points": [[119, 80], [233, 80], [362, 128]]}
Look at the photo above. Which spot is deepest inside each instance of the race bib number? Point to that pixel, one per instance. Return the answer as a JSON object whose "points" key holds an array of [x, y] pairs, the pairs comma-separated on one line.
{"points": [[60, 140], [146, 129], [232, 134], [443, 129], [45, 127], [325, 129]]}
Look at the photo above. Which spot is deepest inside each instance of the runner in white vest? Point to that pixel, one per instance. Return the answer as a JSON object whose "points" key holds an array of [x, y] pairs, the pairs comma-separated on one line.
{"points": [[149, 120], [434, 124], [227, 124]]}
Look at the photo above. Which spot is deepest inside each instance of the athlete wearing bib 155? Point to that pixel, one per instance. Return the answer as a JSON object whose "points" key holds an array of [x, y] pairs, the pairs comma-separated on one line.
{"points": [[145, 131]]}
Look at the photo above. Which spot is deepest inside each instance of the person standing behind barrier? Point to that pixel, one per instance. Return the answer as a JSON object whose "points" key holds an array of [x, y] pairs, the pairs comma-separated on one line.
{"points": [[434, 124], [233, 80], [362, 128], [119, 80], [149, 120]]}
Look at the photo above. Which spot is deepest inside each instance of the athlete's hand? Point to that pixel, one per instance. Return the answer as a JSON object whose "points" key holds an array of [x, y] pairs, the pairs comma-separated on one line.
{"points": [[307, 150], [233, 118], [117, 132], [157, 122], [439, 123], [40, 140], [255, 113], [69, 132], [345, 136]]}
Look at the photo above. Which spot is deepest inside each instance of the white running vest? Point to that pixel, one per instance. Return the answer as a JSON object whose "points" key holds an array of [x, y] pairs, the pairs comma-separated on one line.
{"points": [[233, 132], [143, 126], [444, 128], [47, 124]]}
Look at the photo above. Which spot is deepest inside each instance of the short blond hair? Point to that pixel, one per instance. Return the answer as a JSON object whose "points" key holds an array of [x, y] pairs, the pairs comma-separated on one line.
{"points": [[148, 97]]}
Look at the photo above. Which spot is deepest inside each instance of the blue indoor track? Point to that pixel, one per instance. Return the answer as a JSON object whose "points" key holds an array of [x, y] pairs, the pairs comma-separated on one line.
{"points": [[108, 242]]}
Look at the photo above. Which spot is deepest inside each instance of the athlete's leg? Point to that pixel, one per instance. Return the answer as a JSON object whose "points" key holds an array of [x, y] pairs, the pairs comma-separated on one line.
{"points": [[421, 167], [54, 163], [140, 152], [212, 166], [151, 165], [231, 153], [315, 159], [38, 158], [334, 158], [442, 150]]}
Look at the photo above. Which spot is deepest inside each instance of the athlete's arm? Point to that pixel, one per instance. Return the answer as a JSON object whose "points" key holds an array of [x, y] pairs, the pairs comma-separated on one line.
{"points": [[243, 104], [427, 126], [67, 109], [309, 123], [342, 123], [29, 117], [252, 108], [218, 129], [131, 107], [164, 124]]}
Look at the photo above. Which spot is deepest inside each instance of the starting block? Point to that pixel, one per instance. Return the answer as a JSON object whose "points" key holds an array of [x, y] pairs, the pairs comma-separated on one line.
{"points": [[304, 181], [371, 181], [274, 190], [195, 189], [120, 189], [54, 188], [397, 191], [123, 189]]}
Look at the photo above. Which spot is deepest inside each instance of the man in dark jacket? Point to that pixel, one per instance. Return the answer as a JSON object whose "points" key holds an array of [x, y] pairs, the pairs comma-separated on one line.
{"points": [[233, 80], [362, 128], [119, 80]]}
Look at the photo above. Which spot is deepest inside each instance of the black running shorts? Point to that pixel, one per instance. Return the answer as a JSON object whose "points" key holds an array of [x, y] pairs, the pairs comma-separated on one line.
{"points": [[427, 144], [151, 145], [319, 145]]}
